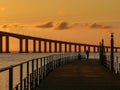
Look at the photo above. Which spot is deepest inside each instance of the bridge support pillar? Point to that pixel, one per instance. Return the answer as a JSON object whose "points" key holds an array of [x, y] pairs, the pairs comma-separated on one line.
{"points": [[65, 47], [85, 48], [89, 48], [94, 49], [7, 44], [79, 48], [55, 49], [75, 48], [45, 46], [1, 44], [116, 50], [98, 49], [39, 45], [70, 48], [50, 47], [26, 45], [60, 47], [107, 49], [21, 45], [34, 46]]}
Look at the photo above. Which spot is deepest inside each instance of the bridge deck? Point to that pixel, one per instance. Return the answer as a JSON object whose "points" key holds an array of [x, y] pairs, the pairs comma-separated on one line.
{"points": [[87, 75]]}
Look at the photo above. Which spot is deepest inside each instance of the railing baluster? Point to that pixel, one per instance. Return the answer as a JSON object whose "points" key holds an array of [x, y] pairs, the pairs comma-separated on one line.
{"points": [[33, 76], [21, 76], [28, 75], [44, 71], [41, 71], [31, 82], [25, 86], [11, 78], [36, 79]]}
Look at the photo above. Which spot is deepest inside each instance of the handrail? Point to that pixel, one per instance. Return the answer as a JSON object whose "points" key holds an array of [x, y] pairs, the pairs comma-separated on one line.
{"points": [[36, 70]]}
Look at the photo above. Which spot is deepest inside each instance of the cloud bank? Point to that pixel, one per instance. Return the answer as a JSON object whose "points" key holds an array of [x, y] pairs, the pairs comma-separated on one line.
{"points": [[45, 25], [99, 26], [62, 26]]}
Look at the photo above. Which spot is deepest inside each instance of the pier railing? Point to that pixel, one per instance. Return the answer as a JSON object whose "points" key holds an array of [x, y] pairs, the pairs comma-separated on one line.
{"points": [[116, 63], [110, 60], [30, 73]]}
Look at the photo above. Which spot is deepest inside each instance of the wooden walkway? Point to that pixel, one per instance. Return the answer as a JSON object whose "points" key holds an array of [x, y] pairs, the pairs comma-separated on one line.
{"points": [[87, 75]]}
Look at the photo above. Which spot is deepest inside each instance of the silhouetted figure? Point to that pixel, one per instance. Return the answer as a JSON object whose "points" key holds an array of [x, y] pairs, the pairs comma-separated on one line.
{"points": [[87, 53], [79, 56]]}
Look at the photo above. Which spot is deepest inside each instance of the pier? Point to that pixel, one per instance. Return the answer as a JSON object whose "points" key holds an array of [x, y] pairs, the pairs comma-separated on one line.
{"points": [[63, 70], [81, 75]]}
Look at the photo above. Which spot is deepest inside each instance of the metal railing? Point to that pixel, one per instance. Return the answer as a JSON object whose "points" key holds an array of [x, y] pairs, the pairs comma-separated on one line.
{"points": [[32, 72], [107, 63]]}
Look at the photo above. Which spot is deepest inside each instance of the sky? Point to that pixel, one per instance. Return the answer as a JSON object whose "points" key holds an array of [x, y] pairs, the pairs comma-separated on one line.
{"points": [[86, 21], [70, 10]]}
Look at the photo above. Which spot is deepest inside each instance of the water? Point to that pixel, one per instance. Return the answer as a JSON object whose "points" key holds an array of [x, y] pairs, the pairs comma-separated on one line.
{"points": [[15, 58], [12, 59]]}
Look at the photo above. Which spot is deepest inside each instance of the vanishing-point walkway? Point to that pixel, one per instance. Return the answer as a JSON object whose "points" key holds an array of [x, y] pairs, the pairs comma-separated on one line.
{"points": [[89, 75]]}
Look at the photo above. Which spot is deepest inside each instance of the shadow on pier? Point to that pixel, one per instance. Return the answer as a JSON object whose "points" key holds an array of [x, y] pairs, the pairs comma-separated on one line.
{"points": [[81, 75]]}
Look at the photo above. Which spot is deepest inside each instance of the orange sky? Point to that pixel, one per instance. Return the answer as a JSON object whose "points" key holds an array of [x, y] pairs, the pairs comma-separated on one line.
{"points": [[84, 21]]}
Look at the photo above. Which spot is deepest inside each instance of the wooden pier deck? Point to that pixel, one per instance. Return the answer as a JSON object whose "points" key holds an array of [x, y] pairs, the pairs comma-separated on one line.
{"points": [[87, 75]]}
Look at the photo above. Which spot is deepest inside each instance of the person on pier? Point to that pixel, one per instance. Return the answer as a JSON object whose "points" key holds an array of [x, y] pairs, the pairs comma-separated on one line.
{"points": [[79, 56], [87, 53]]}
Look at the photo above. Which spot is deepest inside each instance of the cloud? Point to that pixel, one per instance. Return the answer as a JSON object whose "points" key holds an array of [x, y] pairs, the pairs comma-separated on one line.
{"points": [[45, 25], [11, 26], [62, 26], [99, 26]]}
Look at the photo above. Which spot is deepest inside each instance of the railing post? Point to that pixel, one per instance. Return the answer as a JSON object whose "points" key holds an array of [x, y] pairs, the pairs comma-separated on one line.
{"points": [[117, 65], [41, 70], [11, 78], [32, 77], [28, 75], [36, 77], [112, 52], [102, 52], [21, 76], [44, 72]]}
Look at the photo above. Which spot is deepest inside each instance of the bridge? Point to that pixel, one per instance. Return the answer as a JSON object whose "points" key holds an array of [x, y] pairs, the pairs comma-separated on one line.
{"points": [[64, 70], [58, 46]]}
